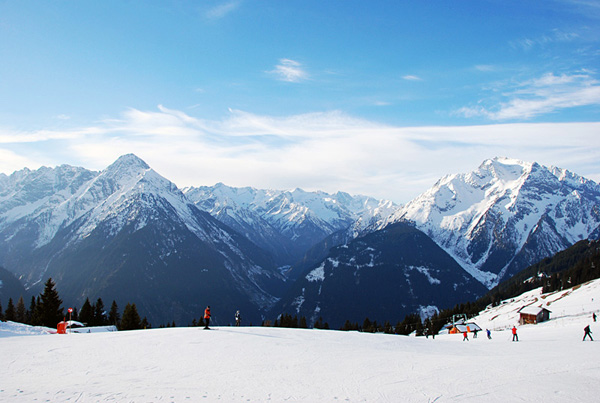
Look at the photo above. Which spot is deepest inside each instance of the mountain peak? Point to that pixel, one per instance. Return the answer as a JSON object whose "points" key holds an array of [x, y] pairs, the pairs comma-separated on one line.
{"points": [[129, 161]]}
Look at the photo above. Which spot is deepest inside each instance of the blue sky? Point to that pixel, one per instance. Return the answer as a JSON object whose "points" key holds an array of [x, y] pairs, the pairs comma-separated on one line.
{"points": [[371, 97]]}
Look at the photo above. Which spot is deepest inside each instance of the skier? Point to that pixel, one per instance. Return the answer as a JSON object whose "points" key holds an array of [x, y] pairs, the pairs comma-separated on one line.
{"points": [[588, 332], [475, 333], [238, 318], [206, 316], [489, 333], [594, 316], [514, 333], [465, 337]]}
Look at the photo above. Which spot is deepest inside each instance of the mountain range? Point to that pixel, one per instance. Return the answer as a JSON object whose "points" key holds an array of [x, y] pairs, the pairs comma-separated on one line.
{"points": [[126, 233]]}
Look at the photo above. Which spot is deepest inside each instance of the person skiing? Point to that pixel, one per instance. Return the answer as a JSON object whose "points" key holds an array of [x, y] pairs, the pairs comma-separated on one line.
{"points": [[489, 333], [588, 332], [465, 336], [475, 333], [594, 316], [238, 318], [514, 333], [206, 317]]}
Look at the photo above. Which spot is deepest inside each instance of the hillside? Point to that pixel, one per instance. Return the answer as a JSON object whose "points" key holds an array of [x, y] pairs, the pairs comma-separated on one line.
{"points": [[549, 363]]}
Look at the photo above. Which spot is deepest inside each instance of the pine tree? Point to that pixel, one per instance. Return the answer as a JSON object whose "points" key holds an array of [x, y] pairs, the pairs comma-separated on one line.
{"points": [[367, 325], [131, 319], [86, 314], [1, 312], [32, 312], [21, 311], [74, 314], [10, 313], [99, 313], [113, 316], [49, 308]]}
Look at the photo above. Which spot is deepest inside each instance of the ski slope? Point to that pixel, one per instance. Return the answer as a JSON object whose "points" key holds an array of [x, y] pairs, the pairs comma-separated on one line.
{"points": [[550, 363]]}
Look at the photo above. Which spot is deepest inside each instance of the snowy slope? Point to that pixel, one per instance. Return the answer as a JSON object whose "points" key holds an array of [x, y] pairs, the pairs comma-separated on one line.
{"points": [[550, 363], [506, 215], [573, 306]]}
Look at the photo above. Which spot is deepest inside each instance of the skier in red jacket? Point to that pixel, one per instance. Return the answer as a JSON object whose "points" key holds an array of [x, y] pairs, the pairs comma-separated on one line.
{"points": [[206, 317], [514, 332]]}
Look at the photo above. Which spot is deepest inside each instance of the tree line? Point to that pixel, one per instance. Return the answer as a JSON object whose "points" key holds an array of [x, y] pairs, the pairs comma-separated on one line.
{"points": [[46, 310]]}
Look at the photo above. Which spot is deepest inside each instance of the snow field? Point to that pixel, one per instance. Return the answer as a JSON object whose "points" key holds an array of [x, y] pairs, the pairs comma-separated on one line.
{"points": [[273, 364], [550, 363]]}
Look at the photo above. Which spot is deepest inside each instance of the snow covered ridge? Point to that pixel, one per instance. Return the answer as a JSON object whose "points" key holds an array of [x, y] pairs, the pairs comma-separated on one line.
{"points": [[505, 215], [288, 223]]}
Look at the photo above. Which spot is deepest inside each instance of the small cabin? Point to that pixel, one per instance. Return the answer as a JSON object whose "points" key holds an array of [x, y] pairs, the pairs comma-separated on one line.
{"points": [[466, 327], [533, 314]]}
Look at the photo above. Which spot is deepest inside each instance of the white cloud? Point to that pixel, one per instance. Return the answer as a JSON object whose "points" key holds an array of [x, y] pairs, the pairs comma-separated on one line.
{"points": [[328, 151], [556, 36], [222, 10], [410, 77], [486, 68], [539, 96], [290, 71]]}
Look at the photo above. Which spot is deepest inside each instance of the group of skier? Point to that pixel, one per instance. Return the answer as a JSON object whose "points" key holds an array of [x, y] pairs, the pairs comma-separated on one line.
{"points": [[238, 317], [515, 336]]}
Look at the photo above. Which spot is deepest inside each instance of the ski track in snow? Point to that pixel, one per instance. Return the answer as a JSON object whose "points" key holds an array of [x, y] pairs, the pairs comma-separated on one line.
{"points": [[550, 363]]}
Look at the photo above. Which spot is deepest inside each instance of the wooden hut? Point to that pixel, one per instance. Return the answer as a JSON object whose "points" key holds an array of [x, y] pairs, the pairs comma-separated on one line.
{"points": [[533, 314]]}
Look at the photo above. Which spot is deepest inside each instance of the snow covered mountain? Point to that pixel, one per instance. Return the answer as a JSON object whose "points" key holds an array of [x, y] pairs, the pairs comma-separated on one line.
{"points": [[128, 234], [384, 275], [506, 215], [288, 223]]}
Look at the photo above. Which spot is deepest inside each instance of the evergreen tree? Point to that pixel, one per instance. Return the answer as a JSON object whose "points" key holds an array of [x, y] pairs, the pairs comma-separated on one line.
{"points": [[74, 314], [49, 307], [99, 313], [349, 326], [146, 325], [11, 312], [303, 324], [113, 316], [131, 319], [86, 315], [32, 312], [320, 325], [21, 311], [1, 312]]}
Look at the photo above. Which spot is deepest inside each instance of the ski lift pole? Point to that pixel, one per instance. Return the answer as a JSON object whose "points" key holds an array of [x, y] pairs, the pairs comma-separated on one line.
{"points": [[70, 318]]}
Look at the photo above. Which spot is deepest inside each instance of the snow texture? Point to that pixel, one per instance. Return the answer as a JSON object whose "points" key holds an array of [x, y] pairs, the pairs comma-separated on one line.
{"points": [[550, 363]]}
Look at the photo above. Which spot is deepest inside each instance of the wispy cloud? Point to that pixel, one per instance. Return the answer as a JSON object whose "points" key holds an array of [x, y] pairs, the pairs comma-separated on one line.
{"points": [[538, 96], [290, 71], [556, 36], [328, 151], [411, 77], [486, 68], [222, 10]]}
